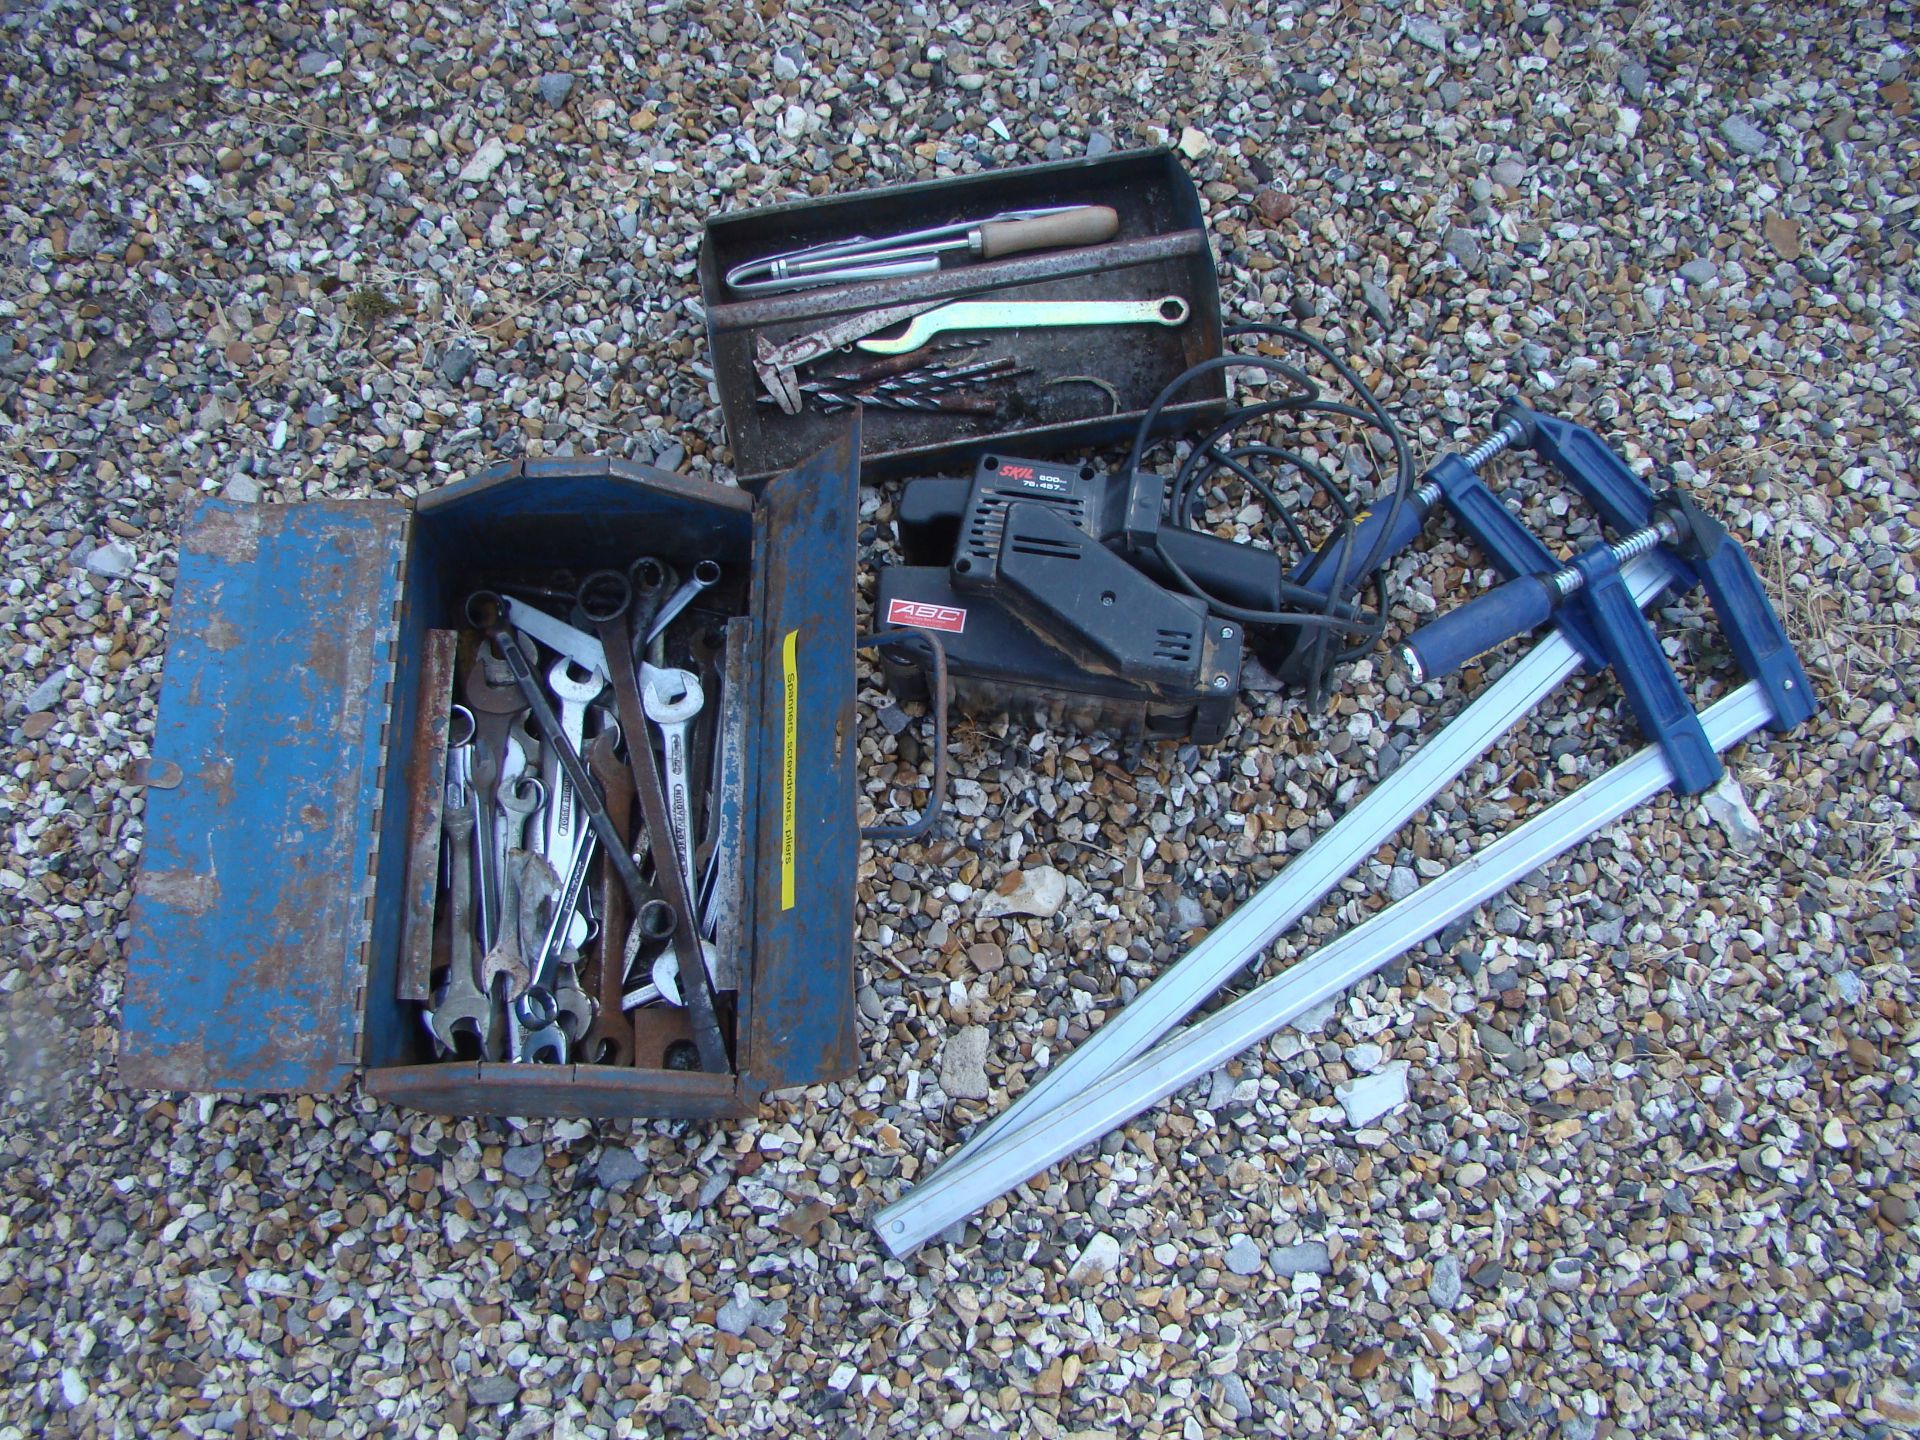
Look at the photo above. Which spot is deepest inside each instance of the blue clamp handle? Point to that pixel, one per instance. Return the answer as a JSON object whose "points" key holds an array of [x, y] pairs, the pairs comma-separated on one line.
{"points": [[1515, 550], [1442, 646], [1653, 691], [1316, 572]]}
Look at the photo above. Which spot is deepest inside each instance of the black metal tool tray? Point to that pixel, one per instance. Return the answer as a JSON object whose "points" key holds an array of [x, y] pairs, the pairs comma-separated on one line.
{"points": [[1161, 249]]}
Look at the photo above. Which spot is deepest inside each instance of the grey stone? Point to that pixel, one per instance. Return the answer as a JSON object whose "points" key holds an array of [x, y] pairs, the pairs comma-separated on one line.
{"points": [[786, 63], [1700, 271], [1447, 1282], [1377, 301], [1564, 1274], [47, 693], [1367, 1097], [455, 364], [1312, 1021], [1309, 1257], [241, 487], [1243, 1256], [1233, 1392], [112, 1231], [493, 1390], [1498, 1044], [1743, 136], [1464, 246], [892, 718], [1187, 914], [712, 1188], [963, 1064], [161, 322], [1633, 80], [318, 62], [736, 1315], [524, 1161], [484, 161], [619, 1167], [1097, 1261], [1365, 1057], [555, 88], [111, 561], [1099, 143], [1451, 93], [1579, 1427], [1401, 882], [1423, 31]]}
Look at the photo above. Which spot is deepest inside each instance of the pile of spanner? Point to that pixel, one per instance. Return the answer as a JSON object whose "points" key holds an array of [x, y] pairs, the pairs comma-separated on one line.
{"points": [[584, 866]]}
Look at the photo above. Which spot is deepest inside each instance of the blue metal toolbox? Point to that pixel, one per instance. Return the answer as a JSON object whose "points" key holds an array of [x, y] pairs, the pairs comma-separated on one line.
{"points": [[294, 770]]}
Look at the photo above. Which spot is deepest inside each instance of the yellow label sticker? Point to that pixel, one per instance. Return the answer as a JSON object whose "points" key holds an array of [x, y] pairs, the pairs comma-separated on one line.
{"points": [[790, 760]]}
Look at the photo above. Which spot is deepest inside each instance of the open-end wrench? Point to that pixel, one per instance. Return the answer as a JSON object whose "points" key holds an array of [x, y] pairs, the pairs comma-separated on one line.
{"points": [[508, 958], [617, 639], [609, 1040], [484, 611], [554, 1000], [463, 1006], [564, 827], [575, 644], [494, 710], [672, 698]]}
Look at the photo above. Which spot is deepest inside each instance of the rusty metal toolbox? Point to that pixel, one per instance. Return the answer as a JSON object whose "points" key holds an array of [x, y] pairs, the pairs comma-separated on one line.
{"points": [[1161, 249], [286, 774]]}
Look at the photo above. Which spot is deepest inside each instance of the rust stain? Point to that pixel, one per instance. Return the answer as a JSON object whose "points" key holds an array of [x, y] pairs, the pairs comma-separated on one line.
{"points": [[190, 891], [425, 776], [313, 817], [230, 534], [217, 777], [222, 634]]}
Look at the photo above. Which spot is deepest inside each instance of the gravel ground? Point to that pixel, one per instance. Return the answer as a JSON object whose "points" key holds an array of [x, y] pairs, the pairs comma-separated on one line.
{"points": [[1655, 1170]]}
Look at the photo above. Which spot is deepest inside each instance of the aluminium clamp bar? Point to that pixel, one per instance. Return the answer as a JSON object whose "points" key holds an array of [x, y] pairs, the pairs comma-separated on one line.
{"points": [[962, 1188], [1375, 818]]}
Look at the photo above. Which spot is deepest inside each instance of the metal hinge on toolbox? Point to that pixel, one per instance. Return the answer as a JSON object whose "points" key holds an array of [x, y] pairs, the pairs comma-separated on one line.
{"points": [[1121, 1070]]}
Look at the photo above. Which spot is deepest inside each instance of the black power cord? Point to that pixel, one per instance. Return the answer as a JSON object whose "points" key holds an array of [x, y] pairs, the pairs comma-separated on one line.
{"points": [[1323, 613]]}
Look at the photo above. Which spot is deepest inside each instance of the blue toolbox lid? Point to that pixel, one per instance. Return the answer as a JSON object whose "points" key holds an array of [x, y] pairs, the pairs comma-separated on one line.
{"points": [[801, 1019], [251, 912]]}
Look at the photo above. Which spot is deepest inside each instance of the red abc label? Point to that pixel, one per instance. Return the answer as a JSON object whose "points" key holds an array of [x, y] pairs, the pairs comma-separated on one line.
{"points": [[920, 614]]}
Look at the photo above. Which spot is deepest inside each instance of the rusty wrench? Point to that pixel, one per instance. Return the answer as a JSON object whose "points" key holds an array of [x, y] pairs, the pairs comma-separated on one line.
{"points": [[616, 636]]}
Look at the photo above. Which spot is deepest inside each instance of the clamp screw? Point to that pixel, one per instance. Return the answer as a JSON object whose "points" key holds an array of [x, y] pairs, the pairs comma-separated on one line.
{"points": [[1507, 436], [1220, 682]]}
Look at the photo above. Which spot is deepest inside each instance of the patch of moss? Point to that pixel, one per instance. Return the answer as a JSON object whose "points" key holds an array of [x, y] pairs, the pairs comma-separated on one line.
{"points": [[368, 308]]}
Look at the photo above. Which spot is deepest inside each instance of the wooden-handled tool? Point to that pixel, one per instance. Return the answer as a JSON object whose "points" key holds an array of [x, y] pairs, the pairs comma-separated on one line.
{"points": [[845, 261]]}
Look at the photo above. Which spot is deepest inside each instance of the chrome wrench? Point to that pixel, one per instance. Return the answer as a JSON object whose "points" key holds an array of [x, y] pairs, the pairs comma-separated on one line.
{"points": [[706, 574], [1168, 310], [672, 698], [462, 1002], [617, 637], [564, 827]]}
